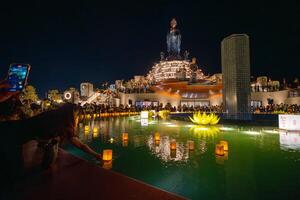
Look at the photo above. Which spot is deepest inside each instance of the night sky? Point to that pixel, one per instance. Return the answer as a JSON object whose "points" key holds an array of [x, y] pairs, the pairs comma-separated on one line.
{"points": [[74, 41]]}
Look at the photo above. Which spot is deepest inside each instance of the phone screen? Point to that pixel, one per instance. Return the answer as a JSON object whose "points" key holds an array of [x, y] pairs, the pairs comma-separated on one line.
{"points": [[17, 76]]}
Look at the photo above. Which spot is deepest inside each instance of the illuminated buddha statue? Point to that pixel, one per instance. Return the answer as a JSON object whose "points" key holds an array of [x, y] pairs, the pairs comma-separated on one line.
{"points": [[174, 40]]}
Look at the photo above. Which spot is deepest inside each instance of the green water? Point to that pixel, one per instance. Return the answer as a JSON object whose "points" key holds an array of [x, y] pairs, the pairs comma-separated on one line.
{"points": [[261, 163]]}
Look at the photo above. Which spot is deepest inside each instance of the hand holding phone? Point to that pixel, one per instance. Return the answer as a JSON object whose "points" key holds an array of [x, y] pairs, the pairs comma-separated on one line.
{"points": [[17, 77], [15, 82]]}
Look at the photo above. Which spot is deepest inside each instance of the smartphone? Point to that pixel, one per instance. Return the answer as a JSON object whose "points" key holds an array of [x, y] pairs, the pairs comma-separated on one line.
{"points": [[17, 76]]}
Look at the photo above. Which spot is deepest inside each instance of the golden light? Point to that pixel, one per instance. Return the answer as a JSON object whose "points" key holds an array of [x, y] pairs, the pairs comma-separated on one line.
{"points": [[219, 150], [173, 144], [221, 159], [95, 129], [156, 137], [191, 145], [157, 142], [95, 115], [224, 144], [107, 155], [205, 119], [95, 132], [205, 131], [163, 114], [124, 136], [86, 128]]}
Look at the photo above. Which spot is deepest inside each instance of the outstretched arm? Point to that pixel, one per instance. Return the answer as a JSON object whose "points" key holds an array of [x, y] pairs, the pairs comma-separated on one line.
{"points": [[5, 95], [77, 143]]}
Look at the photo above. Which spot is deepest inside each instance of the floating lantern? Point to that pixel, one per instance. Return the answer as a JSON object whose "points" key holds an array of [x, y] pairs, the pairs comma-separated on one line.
{"points": [[191, 144], [124, 136], [95, 134], [107, 155], [111, 140], [157, 137], [173, 144], [95, 115], [95, 129], [224, 144], [219, 150], [86, 128]]}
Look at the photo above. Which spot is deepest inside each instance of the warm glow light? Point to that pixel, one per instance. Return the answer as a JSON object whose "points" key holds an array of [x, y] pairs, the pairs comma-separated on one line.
{"points": [[271, 131], [191, 144], [173, 144], [172, 125], [86, 128], [219, 150], [224, 144], [251, 132], [107, 155], [111, 140], [125, 143], [125, 136], [157, 137], [226, 129]]}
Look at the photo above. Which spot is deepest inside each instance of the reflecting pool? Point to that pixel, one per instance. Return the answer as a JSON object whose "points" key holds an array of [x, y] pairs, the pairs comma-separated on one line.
{"points": [[261, 162]]}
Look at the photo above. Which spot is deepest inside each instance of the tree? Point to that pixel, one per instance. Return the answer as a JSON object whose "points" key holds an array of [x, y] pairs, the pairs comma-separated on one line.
{"points": [[54, 95], [29, 94]]}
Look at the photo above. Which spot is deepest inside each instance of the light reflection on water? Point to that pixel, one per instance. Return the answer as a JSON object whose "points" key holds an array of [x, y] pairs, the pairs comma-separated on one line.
{"points": [[256, 156]]}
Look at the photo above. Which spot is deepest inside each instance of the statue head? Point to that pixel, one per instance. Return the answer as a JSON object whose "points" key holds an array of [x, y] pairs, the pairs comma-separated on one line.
{"points": [[173, 23]]}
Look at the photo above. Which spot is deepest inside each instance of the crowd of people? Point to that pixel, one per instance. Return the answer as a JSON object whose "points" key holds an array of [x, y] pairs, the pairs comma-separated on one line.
{"points": [[277, 109]]}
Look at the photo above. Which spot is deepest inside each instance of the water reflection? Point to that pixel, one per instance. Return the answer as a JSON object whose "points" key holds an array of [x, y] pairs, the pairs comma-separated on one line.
{"points": [[205, 131], [163, 150], [220, 160], [144, 122], [289, 140], [107, 164]]}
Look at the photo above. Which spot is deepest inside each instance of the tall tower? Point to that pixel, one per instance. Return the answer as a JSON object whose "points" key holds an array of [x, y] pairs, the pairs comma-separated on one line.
{"points": [[235, 54]]}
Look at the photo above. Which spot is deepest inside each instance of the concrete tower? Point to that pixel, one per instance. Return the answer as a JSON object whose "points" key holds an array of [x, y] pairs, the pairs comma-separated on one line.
{"points": [[236, 76]]}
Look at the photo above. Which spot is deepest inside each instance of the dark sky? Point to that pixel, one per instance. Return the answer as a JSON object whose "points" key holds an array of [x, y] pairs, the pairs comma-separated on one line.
{"points": [[68, 42]]}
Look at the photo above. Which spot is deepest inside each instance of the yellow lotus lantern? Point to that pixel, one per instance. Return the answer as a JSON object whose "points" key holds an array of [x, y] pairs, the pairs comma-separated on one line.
{"points": [[156, 137], [124, 136], [224, 144], [107, 155], [163, 114], [173, 144], [219, 150], [205, 119], [191, 144]]}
